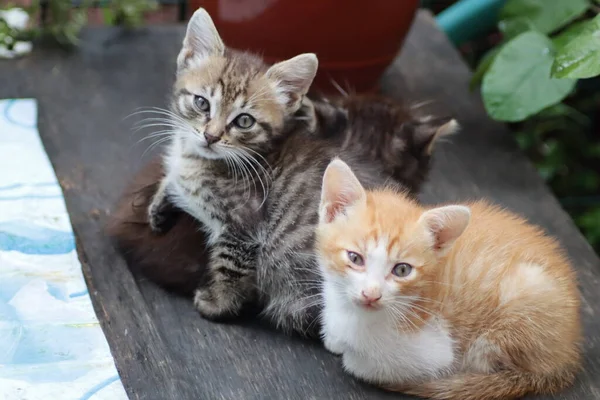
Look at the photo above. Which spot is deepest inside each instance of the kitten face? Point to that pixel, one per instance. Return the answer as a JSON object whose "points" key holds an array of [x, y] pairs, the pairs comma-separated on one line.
{"points": [[381, 249], [229, 103], [377, 265], [227, 108]]}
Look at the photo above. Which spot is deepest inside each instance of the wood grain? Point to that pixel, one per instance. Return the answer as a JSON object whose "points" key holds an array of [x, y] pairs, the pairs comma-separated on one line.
{"points": [[162, 348]]}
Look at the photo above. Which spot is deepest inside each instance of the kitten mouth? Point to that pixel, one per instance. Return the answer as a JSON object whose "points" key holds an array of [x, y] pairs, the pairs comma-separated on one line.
{"points": [[209, 152], [369, 306]]}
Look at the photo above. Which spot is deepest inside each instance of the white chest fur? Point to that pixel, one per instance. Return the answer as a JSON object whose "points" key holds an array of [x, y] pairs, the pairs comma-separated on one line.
{"points": [[186, 189], [373, 349]]}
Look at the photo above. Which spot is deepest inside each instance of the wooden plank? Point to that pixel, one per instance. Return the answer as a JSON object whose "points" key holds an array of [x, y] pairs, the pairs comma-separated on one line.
{"points": [[161, 347]]}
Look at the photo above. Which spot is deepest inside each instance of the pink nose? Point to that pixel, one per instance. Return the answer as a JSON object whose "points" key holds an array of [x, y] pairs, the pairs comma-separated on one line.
{"points": [[210, 139], [370, 296]]}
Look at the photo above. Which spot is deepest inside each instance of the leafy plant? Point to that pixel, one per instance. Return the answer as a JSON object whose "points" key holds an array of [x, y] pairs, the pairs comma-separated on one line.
{"points": [[129, 13], [63, 22], [536, 78], [64, 19], [547, 47], [10, 35]]}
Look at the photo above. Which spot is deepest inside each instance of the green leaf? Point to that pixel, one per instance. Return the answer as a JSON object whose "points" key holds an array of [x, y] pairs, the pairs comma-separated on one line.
{"points": [[482, 67], [569, 34], [108, 16], [544, 16], [580, 56], [518, 83], [515, 26]]}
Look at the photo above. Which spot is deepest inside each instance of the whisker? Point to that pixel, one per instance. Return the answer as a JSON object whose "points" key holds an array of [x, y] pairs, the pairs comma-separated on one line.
{"points": [[400, 314], [233, 166], [155, 135], [155, 144], [245, 175], [259, 165], [307, 306], [258, 154], [245, 157], [309, 327], [156, 110], [173, 127], [339, 88]]}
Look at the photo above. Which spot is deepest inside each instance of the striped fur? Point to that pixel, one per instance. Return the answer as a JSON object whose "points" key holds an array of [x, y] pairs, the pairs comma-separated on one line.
{"points": [[256, 191]]}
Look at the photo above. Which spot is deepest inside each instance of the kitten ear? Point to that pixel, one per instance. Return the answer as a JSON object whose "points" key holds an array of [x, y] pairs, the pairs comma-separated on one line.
{"points": [[445, 225], [293, 77], [341, 190], [428, 133], [201, 40]]}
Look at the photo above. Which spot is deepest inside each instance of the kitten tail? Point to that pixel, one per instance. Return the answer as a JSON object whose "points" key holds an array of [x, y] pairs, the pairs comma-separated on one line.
{"points": [[502, 385]]}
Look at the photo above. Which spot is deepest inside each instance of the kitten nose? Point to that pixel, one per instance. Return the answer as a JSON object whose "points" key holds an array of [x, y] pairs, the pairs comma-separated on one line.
{"points": [[210, 139], [371, 295]]}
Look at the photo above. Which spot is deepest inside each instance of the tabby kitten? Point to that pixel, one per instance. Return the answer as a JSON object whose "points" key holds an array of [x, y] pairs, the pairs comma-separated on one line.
{"points": [[464, 302], [245, 161], [228, 110]]}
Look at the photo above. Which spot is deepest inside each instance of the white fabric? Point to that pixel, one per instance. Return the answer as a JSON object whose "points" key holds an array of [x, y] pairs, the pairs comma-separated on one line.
{"points": [[51, 344]]}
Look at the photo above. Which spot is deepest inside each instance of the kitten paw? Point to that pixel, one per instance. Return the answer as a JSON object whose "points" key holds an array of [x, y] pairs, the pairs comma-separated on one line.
{"points": [[159, 223], [333, 346], [160, 217], [215, 306]]}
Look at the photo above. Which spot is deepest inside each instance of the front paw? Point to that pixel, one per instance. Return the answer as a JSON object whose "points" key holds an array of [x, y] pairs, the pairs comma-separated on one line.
{"points": [[161, 217], [157, 221], [333, 345], [214, 305]]}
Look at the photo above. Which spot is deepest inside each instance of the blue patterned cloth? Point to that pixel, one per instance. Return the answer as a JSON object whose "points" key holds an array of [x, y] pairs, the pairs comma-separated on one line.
{"points": [[51, 345]]}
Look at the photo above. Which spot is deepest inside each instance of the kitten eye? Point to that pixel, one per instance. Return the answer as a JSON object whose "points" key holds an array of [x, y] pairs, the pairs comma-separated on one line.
{"points": [[402, 270], [356, 258], [202, 103], [244, 121]]}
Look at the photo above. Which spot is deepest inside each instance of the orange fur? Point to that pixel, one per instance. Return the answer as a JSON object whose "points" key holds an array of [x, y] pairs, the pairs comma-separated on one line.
{"points": [[506, 290]]}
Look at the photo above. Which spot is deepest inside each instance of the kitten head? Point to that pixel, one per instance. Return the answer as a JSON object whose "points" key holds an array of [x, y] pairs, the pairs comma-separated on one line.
{"points": [[228, 102], [382, 250], [395, 134]]}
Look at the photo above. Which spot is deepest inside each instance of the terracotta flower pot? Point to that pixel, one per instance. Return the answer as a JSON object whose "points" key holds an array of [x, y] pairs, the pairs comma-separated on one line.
{"points": [[354, 40]]}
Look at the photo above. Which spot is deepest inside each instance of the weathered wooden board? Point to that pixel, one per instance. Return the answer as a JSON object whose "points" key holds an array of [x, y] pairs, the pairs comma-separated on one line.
{"points": [[162, 348]]}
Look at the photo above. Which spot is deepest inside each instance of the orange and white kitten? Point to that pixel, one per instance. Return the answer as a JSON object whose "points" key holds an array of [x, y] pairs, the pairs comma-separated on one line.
{"points": [[464, 302]]}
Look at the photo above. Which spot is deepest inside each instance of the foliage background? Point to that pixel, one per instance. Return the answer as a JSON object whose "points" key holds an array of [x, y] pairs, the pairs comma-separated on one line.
{"points": [[537, 71]]}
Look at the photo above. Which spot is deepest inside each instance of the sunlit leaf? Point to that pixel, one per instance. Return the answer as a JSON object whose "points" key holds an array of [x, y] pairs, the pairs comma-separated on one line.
{"points": [[569, 34], [580, 56], [518, 83]]}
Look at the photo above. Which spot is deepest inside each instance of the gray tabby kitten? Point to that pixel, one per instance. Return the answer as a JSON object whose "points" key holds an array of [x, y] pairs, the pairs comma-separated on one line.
{"points": [[244, 162]]}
